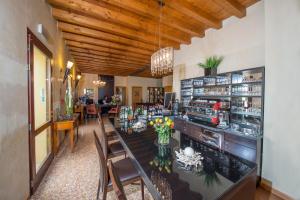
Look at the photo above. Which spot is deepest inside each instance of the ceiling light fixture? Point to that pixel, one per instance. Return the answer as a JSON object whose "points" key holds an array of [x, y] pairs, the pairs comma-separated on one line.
{"points": [[162, 61], [99, 83]]}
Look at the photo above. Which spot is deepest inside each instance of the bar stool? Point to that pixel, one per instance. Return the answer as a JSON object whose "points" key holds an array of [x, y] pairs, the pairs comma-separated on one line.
{"points": [[123, 168]]}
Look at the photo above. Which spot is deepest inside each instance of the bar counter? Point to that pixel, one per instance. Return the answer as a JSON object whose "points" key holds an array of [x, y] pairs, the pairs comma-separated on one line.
{"points": [[221, 176]]}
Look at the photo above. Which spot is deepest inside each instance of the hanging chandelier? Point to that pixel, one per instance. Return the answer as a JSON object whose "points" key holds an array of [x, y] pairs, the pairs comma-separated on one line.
{"points": [[162, 61], [99, 83]]}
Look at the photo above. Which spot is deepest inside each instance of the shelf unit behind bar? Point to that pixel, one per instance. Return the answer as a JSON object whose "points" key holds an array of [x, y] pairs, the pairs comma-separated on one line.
{"points": [[243, 88]]}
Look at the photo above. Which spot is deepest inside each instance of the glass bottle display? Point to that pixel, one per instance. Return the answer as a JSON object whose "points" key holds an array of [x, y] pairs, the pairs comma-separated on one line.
{"points": [[239, 95]]}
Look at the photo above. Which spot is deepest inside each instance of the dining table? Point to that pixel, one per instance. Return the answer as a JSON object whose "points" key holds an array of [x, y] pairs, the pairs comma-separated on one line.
{"points": [[220, 175]]}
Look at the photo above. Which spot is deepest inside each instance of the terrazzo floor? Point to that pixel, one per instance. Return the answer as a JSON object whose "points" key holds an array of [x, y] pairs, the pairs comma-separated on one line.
{"points": [[75, 175]]}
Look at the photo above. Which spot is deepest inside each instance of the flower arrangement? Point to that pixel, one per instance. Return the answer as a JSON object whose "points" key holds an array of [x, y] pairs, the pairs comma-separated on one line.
{"points": [[163, 128], [115, 99]]}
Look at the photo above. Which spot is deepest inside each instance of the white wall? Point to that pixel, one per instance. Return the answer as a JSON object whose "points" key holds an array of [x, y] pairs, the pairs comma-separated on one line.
{"points": [[240, 41], [121, 80], [15, 17], [167, 80], [132, 81], [281, 159], [86, 82]]}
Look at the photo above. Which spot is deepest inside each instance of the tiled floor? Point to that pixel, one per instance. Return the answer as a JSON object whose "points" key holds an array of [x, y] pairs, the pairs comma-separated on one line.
{"points": [[75, 175]]}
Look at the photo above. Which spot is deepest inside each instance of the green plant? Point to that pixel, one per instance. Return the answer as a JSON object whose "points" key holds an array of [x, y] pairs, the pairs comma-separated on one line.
{"points": [[211, 62]]}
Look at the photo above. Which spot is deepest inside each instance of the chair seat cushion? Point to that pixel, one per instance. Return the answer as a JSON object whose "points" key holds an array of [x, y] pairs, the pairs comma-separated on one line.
{"points": [[115, 149], [125, 170], [112, 135]]}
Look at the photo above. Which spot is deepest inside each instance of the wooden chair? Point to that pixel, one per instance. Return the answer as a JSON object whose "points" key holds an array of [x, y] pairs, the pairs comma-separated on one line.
{"points": [[91, 110], [113, 149], [116, 182], [114, 111], [110, 150], [123, 168], [110, 135]]}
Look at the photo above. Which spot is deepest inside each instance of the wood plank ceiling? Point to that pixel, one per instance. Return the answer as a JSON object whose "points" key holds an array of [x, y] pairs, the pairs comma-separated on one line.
{"points": [[118, 37]]}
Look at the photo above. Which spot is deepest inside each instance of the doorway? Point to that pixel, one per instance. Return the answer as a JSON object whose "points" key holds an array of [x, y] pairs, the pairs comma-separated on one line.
{"points": [[137, 94], [121, 92], [39, 109]]}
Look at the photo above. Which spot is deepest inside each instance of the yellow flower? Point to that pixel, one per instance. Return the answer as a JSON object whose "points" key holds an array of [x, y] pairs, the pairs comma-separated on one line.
{"points": [[156, 120], [151, 123], [166, 118], [160, 120], [169, 123]]}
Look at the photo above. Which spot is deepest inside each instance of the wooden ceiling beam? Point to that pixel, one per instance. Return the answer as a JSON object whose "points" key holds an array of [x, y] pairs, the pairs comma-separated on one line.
{"points": [[92, 23], [105, 65], [123, 65], [151, 9], [103, 43], [99, 70], [96, 69], [104, 54], [107, 50], [233, 7], [86, 69], [113, 16], [188, 9], [99, 67], [66, 27], [91, 56], [95, 61]]}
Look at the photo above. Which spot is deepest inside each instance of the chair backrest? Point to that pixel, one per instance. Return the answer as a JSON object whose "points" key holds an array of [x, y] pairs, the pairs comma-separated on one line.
{"points": [[91, 109], [99, 118], [116, 182], [103, 165], [103, 138]]}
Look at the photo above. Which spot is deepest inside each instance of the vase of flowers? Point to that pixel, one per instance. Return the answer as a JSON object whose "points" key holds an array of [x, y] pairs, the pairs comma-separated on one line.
{"points": [[163, 128], [115, 99]]}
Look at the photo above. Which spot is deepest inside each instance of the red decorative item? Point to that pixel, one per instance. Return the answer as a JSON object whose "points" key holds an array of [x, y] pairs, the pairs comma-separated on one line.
{"points": [[217, 106], [214, 120]]}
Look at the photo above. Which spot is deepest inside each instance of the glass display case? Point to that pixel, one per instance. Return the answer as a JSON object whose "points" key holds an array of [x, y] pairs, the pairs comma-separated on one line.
{"points": [[186, 92]]}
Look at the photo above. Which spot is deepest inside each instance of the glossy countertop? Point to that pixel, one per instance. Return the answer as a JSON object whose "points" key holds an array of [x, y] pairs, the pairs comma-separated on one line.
{"points": [[168, 179]]}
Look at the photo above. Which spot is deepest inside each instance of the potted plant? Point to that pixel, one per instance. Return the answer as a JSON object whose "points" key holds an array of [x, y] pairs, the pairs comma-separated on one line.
{"points": [[163, 128], [211, 64]]}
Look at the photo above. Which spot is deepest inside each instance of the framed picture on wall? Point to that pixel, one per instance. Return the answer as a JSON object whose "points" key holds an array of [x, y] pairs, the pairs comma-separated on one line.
{"points": [[89, 92]]}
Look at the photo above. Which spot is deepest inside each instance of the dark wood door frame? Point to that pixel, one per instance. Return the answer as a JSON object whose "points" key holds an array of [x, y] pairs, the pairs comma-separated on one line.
{"points": [[35, 178]]}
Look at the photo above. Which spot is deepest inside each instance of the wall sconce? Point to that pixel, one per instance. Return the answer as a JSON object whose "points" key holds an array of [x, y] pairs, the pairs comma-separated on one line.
{"points": [[78, 77], [68, 69]]}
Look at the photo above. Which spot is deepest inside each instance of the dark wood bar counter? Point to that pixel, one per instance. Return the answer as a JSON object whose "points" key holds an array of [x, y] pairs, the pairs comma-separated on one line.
{"points": [[221, 175]]}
